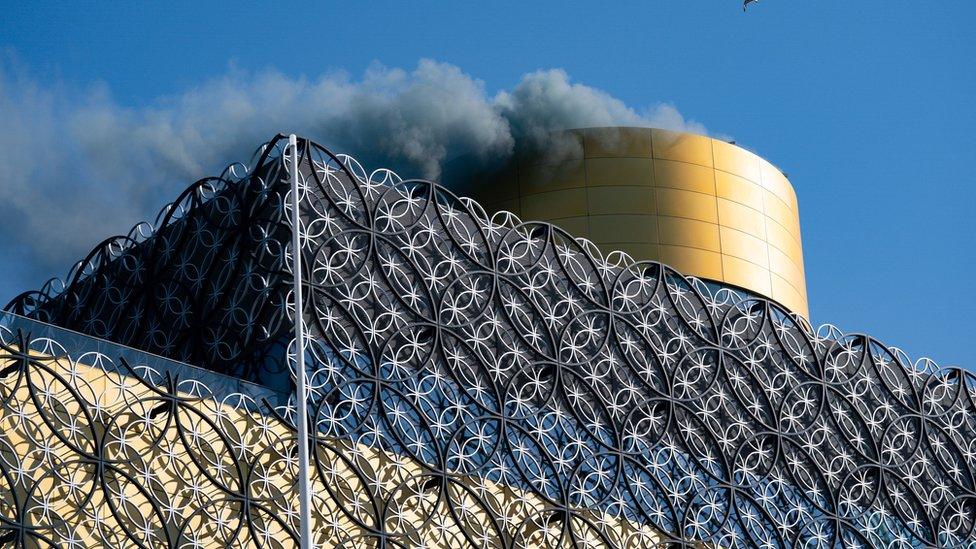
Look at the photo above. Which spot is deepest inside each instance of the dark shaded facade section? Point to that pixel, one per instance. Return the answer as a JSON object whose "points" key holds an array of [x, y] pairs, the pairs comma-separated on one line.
{"points": [[205, 285]]}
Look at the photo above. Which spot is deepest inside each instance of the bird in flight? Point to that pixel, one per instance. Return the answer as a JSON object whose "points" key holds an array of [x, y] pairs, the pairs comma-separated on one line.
{"points": [[745, 3]]}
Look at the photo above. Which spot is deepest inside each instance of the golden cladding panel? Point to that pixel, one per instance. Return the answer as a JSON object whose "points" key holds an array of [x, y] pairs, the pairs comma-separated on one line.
{"points": [[554, 204], [782, 240], [505, 205], [576, 226], [688, 232], [740, 272], [775, 182], [621, 200], [782, 265], [731, 159], [738, 189], [786, 294], [706, 207], [633, 249], [745, 246], [623, 228], [779, 212], [615, 172], [692, 261], [685, 147], [742, 218], [677, 203], [541, 178], [684, 176]]}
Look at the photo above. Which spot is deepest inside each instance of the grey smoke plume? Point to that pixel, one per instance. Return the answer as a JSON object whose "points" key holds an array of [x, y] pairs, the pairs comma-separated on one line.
{"points": [[76, 168]]}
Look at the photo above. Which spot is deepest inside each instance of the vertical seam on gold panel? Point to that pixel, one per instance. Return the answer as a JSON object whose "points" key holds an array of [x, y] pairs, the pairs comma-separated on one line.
{"points": [[659, 256], [586, 189], [652, 187], [765, 219], [718, 220]]}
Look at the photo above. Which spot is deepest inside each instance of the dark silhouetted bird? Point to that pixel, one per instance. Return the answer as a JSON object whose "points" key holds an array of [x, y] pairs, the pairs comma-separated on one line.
{"points": [[745, 3]]}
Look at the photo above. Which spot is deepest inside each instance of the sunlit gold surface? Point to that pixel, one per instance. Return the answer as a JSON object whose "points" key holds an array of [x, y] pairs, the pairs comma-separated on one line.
{"points": [[706, 207], [164, 473]]}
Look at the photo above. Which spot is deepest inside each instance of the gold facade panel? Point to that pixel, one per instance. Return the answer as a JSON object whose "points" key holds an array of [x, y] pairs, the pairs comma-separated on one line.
{"points": [[744, 246], [636, 250], [621, 200], [678, 203], [505, 205], [576, 226], [617, 142], [542, 178], [619, 171], [554, 205], [742, 218], [775, 182], [735, 160], [739, 189], [779, 212], [788, 296], [685, 176], [686, 147], [745, 274], [680, 231], [706, 207], [782, 265], [693, 261], [782, 240], [623, 228]]}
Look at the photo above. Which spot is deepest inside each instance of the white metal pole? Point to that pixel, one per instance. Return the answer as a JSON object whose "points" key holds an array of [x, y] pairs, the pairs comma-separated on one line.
{"points": [[301, 399]]}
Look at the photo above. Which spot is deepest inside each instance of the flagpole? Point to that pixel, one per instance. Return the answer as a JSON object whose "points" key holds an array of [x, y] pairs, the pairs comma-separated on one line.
{"points": [[301, 398]]}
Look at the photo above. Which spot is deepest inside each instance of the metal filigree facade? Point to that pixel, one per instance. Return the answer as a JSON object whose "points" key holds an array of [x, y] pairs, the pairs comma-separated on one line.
{"points": [[103, 446], [622, 403], [205, 284]]}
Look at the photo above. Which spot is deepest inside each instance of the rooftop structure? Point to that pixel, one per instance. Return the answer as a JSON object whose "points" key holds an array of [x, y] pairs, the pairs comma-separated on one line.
{"points": [[706, 207]]}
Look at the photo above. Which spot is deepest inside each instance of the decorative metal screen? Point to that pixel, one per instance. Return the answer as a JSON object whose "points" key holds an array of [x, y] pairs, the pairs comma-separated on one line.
{"points": [[206, 284], [621, 403]]}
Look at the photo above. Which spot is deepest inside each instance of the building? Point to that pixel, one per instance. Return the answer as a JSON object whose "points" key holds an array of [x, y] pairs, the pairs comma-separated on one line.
{"points": [[475, 380]]}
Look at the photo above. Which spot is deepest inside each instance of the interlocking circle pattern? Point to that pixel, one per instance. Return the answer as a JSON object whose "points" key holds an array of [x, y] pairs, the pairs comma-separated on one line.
{"points": [[534, 392]]}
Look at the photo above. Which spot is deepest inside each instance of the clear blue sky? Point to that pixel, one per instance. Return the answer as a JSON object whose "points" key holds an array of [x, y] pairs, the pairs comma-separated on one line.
{"points": [[868, 105]]}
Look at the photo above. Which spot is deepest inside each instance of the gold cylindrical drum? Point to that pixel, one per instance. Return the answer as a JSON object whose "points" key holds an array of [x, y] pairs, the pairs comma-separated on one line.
{"points": [[706, 207]]}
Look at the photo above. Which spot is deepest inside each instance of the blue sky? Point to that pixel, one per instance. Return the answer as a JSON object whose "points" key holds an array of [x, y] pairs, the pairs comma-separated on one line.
{"points": [[867, 105]]}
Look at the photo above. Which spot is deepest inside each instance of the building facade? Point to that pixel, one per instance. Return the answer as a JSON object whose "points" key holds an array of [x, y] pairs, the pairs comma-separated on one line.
{"points": [[476, 380]]}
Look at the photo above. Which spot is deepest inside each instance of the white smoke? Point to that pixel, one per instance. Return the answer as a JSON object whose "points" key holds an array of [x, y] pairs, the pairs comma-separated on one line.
{"points": [[77, 167]]}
